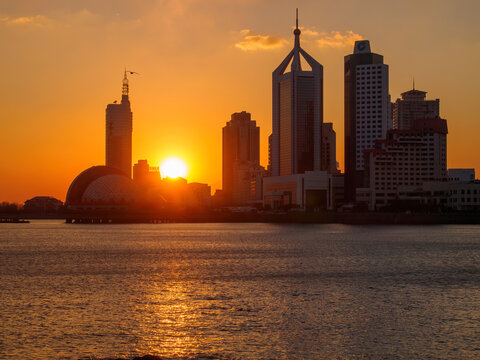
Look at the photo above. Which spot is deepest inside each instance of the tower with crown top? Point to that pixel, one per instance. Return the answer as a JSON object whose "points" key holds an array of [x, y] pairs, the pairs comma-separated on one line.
{"points": [[118, 131], [297, 113]]}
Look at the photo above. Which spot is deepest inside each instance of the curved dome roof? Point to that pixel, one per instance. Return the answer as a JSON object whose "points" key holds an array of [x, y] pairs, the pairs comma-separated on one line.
{"points": [[109, 189], [86, 178]]}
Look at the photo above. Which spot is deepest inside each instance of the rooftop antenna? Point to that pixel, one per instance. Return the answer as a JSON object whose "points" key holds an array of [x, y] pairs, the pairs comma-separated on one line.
{"points": [[414, 83], [125, 80], [297, 19]]}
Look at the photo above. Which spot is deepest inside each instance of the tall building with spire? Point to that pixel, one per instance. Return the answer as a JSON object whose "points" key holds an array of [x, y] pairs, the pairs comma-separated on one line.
{"points": [[297, 94], [367, 111], [118, 142]]}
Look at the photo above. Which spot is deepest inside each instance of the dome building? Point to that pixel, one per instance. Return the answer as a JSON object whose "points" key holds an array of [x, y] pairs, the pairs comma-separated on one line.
{"points": [[100, 186]]}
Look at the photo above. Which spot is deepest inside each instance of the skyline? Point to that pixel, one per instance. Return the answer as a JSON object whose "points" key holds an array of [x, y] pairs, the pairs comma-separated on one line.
{"points": [[74, 90]]}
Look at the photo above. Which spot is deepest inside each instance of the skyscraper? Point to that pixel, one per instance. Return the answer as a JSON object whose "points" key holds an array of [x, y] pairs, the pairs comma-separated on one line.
{"points": [[118, 144], [241, 157], [413, 106], [297, 114], [367, 110]]}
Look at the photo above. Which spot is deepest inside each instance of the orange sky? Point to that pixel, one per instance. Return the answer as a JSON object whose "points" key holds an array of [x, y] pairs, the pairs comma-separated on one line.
{"points": [[201, 60]]}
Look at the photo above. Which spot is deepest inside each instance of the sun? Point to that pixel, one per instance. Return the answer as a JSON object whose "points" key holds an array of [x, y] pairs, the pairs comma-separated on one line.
{"points": [[173, 167]]}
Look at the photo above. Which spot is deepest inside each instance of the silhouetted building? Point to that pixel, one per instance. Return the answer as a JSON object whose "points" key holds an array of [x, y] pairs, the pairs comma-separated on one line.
{"points": [[144, 174], [367, 110], [42, 204], [297, 114], [329, 148], [118, 146], [241, 157], [399, 166], [100, 187], [461, 175], [413, 106], [311, 190]]}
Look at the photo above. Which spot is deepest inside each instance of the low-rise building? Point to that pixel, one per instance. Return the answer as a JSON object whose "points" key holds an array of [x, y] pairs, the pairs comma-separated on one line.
{"points": [[310, 190]]}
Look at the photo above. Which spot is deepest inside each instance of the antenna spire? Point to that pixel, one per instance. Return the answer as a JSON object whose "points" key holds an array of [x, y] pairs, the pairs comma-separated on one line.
{"points": [[414, 83], [125, 84], [297, 19]]}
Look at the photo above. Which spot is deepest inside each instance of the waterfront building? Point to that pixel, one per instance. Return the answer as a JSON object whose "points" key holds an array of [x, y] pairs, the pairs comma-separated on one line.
{"points": [[367, 111], [144, 174], [297, 98], [118, 142], [411, 106], [399, 165], [240, 157], [100, 187], [42, 204], [311, 190]]}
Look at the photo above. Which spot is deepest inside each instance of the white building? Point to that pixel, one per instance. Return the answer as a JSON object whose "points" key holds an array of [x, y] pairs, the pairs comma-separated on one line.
{"points": [[399, 165], [367, 110]]}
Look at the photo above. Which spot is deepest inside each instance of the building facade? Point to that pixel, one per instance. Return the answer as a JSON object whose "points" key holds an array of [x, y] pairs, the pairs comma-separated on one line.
{"points": [[312, 190], [411, 106], [401, 164], [297, 99], [118, 142], [367, 111], [329, 148], [240, 157]]}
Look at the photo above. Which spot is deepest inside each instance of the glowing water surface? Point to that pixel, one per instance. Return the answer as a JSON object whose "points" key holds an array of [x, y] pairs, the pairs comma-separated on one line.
{"points": [[243, 291]]}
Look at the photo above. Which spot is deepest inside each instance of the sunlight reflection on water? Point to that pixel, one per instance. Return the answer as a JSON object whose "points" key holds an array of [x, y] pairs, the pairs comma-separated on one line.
{"points": [[244, 291]]}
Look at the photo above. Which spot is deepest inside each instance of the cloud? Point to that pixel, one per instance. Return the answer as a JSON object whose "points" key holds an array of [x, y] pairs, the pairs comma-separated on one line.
{"points": [[336, 39], [37, 20], [259, 42]]}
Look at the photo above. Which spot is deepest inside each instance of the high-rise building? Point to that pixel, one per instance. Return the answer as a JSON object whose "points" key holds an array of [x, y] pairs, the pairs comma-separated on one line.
{"points": [[241, 156], [118, 145], [413, 106], [297, 114], [367, 110]]}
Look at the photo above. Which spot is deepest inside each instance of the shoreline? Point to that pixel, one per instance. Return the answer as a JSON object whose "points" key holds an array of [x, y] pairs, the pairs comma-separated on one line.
{"points": [[294, 218]]}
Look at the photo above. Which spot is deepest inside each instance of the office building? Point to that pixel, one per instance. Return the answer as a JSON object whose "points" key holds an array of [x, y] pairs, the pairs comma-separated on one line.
{"points": [[297, 114], [367, 111], [118, 146], [241, 157], [411, 106]]}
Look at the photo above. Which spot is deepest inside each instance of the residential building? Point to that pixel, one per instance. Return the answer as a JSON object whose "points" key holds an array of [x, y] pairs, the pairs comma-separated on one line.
{"points": [[404, 161], [412, 106]]}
